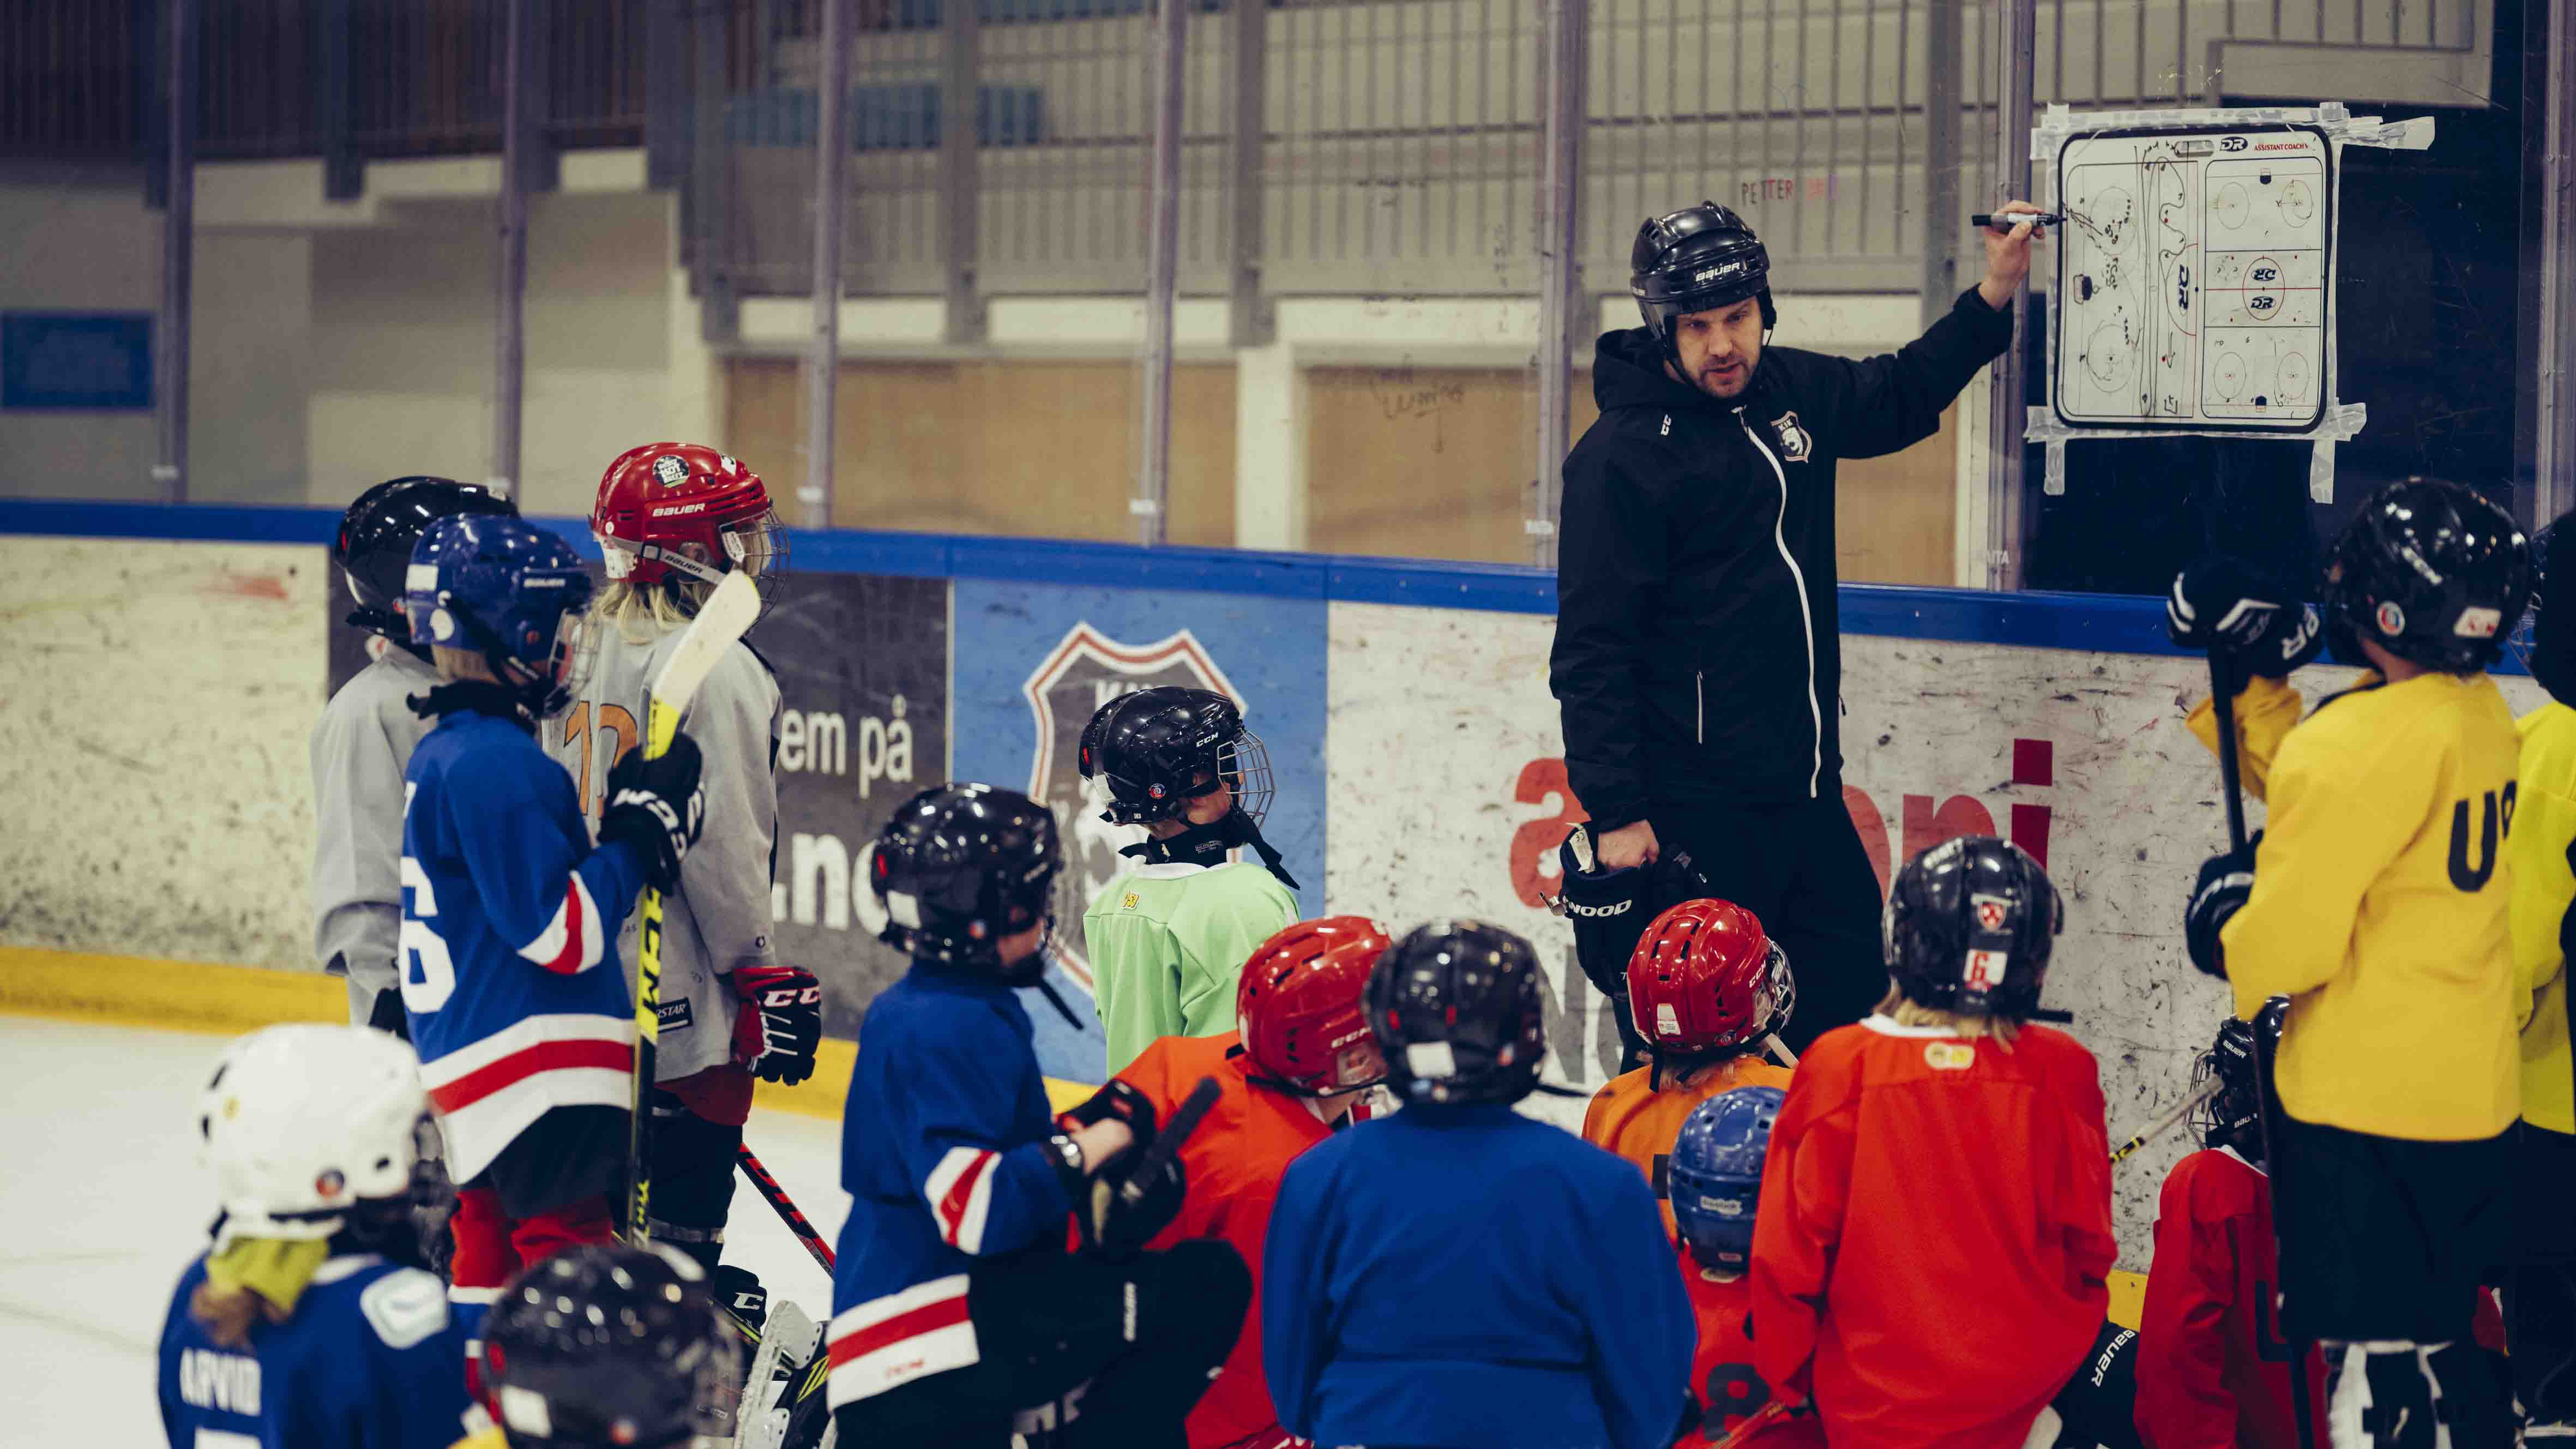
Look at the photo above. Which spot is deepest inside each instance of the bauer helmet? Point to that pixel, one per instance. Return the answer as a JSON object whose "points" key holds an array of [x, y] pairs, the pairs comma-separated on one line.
{"points": [[1158, 749], [958, 868], [312, 1131], [1705, 978], [377, 534], [2429, 571], [1299, 999], [510, 592], [2232, 1116], [1693, 260], [1969, 926], [1455, 1006], [609, 1346], [1714, 1175], [686, 508]]}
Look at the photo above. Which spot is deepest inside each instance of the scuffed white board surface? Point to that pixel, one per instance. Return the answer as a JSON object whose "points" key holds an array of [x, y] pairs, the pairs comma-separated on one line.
{"points": [[152, 747]]}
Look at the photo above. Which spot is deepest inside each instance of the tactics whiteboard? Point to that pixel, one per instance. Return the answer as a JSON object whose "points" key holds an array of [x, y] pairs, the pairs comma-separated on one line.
{"points": [[2193, 279]]}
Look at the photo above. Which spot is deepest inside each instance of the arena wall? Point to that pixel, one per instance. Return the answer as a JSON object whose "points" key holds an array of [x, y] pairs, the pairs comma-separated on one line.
{"points": [[170, 663]]}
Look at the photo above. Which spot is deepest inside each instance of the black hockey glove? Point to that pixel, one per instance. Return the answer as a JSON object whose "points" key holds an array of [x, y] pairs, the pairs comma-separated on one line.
{"points": [[2227, 603], [1120, 1099], [1120, 1213], [1610, 909], [2226, 880], [780, 1026], [656, 805]]}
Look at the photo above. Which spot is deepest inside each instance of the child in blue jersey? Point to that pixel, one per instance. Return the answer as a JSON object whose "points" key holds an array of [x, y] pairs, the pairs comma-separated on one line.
{"points": [[310, 1323], [1457, 1274], [510, 978], [957, 1313]]}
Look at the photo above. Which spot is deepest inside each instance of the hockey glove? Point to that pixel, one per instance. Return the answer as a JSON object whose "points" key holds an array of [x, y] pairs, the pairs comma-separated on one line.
{"points": [[1120, 1099], [656, 805], [2226, 603], [2226, 880], [1115, 1227], [781, 1023], [1607, 908]]}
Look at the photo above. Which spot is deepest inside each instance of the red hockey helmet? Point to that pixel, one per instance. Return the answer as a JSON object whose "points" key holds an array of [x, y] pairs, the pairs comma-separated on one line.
{"points": [[1303, 1024], [685, 506], [1706, 976]]}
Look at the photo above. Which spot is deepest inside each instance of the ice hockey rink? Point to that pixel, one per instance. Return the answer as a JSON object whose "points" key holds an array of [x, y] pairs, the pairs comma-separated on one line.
{"points": [[104, 1202]]}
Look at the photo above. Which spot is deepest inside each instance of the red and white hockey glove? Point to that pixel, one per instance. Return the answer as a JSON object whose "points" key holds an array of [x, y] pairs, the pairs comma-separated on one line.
{"points": [[781, 1022]]}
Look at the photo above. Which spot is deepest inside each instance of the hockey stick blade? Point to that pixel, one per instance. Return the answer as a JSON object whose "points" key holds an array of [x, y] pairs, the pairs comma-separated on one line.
{"points": [[727, 615], [1167, 1143]]}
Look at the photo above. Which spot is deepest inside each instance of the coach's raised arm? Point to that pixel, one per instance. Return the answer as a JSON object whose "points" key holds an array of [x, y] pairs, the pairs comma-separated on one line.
{"points": [[1697, 655]]}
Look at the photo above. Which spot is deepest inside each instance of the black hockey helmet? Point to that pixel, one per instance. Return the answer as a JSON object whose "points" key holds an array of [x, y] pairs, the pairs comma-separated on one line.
{"points": [[1154, 746], [958, 868], [1694, 259], [1455, 1006], [1969, 925], [2232, 1116], [2431, 572], [374, 544], [609, 1346]]}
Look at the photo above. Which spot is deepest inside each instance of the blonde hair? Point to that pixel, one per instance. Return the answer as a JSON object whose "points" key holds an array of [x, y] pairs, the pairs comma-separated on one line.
{"points": [[455, 663], [643, 612], [1905, 1011], [226, 1314]]}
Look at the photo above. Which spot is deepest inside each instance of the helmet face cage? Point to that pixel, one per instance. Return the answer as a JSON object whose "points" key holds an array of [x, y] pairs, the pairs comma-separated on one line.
{"points": [[1244, 767], [1153, 775], [2525, 629], [2232, 1116]]}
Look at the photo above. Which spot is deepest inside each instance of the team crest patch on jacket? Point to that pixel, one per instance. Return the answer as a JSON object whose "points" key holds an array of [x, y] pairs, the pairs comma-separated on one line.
{"points": [[1797, 445]]}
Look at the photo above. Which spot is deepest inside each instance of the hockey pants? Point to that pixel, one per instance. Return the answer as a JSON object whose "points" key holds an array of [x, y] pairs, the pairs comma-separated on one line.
{"points": [[546, 1191], [1074, 1351], [693, 1172]]}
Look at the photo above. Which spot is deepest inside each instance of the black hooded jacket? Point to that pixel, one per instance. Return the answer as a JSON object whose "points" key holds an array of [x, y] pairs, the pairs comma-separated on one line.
{"points": [[1698, 655]]}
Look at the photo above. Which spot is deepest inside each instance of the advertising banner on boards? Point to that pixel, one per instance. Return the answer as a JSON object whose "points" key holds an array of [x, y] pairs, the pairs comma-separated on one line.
{"points": [[1033, 661]]}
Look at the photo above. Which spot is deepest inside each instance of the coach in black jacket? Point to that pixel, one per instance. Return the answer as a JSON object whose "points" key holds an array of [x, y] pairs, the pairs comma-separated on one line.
{"points": [[1697, 652]]}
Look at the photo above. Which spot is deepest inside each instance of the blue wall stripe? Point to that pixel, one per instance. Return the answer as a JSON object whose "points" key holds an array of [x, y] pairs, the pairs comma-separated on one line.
{"points": [[2109, 623]]}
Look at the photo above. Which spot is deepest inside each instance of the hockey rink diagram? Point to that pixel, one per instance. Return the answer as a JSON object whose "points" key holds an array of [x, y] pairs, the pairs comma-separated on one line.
{"points": [[2192, 281]]}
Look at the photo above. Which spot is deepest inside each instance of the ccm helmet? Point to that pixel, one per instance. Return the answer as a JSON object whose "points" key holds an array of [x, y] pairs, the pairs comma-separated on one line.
{"points": [[1455, 1006], [1694, 259], [376, 537], [685, 508], [2429, 571], [1158, 749], [1715, 1173], [509, 591], [609, 1346], [1299, 999], [1705, 977], [1969, 926], [958, 868]]}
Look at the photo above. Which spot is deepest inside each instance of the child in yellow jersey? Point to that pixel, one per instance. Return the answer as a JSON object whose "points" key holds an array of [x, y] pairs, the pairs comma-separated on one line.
{"points": [[2378, 903], [2539, 853], [1709, 988]]}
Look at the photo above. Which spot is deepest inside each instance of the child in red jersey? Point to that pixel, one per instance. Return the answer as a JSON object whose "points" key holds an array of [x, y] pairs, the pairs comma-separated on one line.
{"points": [[1930, 1256], [1716, 1181]]}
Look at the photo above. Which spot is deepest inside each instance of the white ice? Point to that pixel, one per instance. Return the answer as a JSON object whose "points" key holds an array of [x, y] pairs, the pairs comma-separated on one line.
{"points": [[102, 1204]]}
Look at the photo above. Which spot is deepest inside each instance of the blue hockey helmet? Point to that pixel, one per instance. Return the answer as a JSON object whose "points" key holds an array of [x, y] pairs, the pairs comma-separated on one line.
{"points": [[507, 590], [1715, 1173]]}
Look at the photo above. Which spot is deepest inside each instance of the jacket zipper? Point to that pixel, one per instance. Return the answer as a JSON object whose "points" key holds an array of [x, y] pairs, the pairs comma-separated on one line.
{"points": [[1797, 575], [1699, 694]]}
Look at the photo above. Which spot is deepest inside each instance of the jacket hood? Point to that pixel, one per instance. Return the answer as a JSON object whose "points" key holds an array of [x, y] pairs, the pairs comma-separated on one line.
{"points": [[1628, 372]]}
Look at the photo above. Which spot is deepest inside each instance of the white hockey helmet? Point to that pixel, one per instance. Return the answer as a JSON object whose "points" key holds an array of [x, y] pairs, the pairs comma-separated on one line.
{"points": [[302, 1122]]}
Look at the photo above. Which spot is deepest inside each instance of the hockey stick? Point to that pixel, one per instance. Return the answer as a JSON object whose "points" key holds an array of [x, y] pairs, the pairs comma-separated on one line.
{"points": [[1763, 1418], [2267, 1048], [2222, 674], [2165, 1123], [785, 1206], [1780, 1049], [727, 615], [1167, 1143]]}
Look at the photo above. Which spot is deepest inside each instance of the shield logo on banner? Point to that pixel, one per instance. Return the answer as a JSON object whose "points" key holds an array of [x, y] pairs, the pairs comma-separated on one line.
{"points": [[1085, 671]]}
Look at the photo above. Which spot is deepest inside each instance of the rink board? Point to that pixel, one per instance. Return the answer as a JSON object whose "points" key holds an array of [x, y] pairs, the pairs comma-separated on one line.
{"points": [[173, 661]]}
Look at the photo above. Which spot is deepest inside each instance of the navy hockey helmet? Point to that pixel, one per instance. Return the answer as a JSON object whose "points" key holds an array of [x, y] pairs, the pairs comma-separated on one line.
{"points": [[958, 868], [2429, 571], [1455, 1005], [1969, 926], [1714, 1176], [1694, 259], [2231, 1116], [509, 591], [378, 532], [609, 1346], [1158, 749]]}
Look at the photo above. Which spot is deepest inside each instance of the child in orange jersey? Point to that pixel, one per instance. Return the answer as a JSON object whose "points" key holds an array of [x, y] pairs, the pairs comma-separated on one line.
{"points": [[1716, 1182], [1297, 1069], [1708, 987], [1935, 1226]]}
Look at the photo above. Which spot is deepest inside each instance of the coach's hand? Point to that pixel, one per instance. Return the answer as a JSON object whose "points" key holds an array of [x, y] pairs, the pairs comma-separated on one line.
{"points": [[2007, 256], [1629, 846]]}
